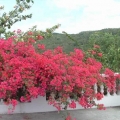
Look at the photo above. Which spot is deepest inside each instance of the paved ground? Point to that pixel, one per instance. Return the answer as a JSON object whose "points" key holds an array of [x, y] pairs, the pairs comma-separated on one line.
{"points": [[87, 114]]}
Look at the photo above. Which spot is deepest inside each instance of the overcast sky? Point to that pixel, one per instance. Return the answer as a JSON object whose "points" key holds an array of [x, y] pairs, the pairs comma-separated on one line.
{"points": [[73, 15]]}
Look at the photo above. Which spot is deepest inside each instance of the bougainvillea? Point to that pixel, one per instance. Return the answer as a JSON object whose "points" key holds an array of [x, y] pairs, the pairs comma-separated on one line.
{"points": [[65, 78]]}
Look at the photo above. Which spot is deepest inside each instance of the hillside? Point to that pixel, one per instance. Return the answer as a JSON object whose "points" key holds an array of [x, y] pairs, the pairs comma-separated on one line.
{"points": [[83, 39]]}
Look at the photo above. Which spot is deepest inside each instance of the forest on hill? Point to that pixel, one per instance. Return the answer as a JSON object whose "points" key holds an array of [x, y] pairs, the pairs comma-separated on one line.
{"points": [[104, 38]]}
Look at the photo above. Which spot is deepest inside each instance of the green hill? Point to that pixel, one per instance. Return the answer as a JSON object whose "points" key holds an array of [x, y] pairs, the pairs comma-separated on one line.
{"points": [[83, 38]]}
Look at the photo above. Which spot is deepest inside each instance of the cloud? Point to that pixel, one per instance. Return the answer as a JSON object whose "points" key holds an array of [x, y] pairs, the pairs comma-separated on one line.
{"points": [[68, 4], [41, 25], [77, 15], [97, 5], [96, 14]]}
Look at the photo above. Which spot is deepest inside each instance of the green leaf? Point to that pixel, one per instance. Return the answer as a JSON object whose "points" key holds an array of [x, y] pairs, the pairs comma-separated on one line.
{"points": [[2, 30], [17, 1], [9, 27], [27, 1]]}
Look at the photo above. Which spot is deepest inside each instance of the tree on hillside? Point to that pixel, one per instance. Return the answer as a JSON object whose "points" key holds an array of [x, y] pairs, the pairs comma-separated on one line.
{"points": [[110, 46]]}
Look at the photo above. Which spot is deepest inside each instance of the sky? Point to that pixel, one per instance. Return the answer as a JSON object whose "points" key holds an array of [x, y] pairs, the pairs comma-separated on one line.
{"points": [[73, 15]]}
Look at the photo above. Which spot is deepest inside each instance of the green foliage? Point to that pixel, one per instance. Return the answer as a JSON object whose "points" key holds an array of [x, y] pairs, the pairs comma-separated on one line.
{"points": [[59, 40], [32, 33], [110, 46], [15, 15], [82, 39]]}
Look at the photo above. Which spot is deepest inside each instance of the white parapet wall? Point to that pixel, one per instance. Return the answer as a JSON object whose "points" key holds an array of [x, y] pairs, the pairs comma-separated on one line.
{"points": [[41, 105], [36, 105]]}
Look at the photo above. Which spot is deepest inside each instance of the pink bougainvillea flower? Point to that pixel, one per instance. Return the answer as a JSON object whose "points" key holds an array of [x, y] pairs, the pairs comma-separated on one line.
{"points": [[39, 37], [68, 117], [101, 107], [30, 33], [41, 46], [96, 46], [100, 54], [93, 52], [18, 31], [72, 104], [99, 96]]}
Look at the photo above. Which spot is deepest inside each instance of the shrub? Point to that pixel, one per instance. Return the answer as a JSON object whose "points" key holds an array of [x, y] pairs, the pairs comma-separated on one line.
{"points": [[26, 74]]}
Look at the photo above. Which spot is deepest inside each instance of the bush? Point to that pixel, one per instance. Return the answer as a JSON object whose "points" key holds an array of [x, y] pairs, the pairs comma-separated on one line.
{"points": [[26, 74]]}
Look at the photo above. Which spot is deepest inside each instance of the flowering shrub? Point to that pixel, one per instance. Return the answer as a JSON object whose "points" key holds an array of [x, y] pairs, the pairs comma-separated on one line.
{"points": [[32, 34], [74, 79], [26, 74]]}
